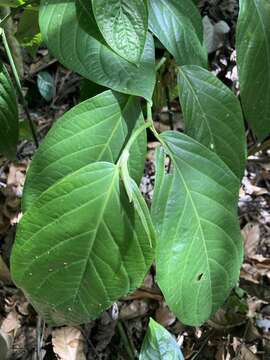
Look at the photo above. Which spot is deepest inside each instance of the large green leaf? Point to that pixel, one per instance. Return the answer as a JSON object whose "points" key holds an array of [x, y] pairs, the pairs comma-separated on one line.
{"points": [[9, 128], [199, 249], [124, 25], [87, 19], [159, 344], [253, 59], [81, 246], [178, 26], [77, 50], [213, 115], [95, 130]]}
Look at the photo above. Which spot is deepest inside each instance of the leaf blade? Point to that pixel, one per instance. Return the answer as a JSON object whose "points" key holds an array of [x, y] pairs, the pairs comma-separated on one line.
{"points": [[93, 60], [179, 29], [213, 116], [47, 254], [95, 130], [124, 26], [9, 122], [199, 248], [159, 344], [253, 58]]}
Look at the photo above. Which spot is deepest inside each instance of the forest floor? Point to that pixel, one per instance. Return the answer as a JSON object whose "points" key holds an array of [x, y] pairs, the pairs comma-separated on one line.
{"points": [[239, 330]]}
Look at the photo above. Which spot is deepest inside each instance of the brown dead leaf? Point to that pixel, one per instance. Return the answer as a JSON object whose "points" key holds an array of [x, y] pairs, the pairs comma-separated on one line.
{"points": [[4, 272], [251, 234], [16, 177], [164, 316], [11, 323], [136, 308], [247, 354], [224, 319], [252, 189], [68, 343]]}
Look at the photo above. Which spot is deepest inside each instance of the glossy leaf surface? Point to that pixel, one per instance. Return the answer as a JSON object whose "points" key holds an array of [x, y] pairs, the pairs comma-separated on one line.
{"points": [[159, 344], [9, 128], [124, 25], [45, 83], [179, 28], [95, 130], [199, 250], [213, 115], [80, 52], [81, 246], [253, 59]]}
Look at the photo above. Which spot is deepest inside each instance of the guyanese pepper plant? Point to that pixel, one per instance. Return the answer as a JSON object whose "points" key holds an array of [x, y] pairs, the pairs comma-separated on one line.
{"points": [[87, 236]]}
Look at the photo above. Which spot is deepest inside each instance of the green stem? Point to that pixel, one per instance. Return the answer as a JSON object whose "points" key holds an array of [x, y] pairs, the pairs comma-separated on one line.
{"points": [[18, 86], [127, 345], [150, 120], [160, 63], [124, 156]]}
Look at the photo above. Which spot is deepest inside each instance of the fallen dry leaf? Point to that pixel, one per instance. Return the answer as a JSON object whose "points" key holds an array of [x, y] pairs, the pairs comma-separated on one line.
{"points": [[11, 322], [136, 308], [68, 343], [164, 316], [251, 234], [247, 354], [251, 189], [4, 272], [16, 177]]}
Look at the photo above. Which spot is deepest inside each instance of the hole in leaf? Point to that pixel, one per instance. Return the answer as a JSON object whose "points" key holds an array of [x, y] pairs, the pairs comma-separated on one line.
{"points": [[199, 276]]}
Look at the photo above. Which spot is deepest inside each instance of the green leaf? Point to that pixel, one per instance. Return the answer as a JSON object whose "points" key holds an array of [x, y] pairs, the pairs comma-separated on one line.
{"points": [[80, 52], [81, 246], [199, 249], [9, 127], [46, 86], [95, 130], [178, 26], [28, 33], [159, 344], [87, 19], [123, 24], [213, 116], [12, 3], [253, 59], [90, 89]]}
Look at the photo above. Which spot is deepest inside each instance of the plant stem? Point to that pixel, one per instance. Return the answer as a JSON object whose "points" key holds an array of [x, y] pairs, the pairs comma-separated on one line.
{"points": [[150, 120], [167, 91], [127, 345], [160, 63], [125, 153], [18, 86]]}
